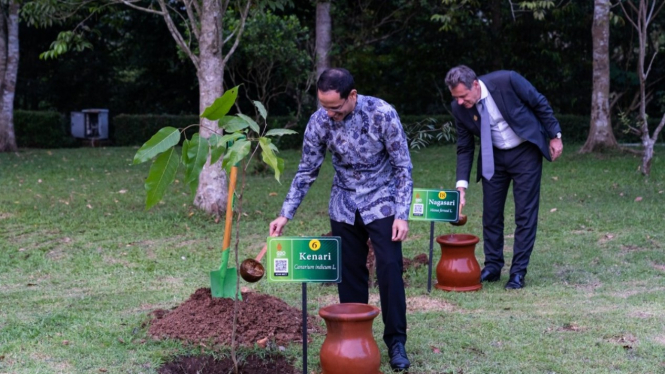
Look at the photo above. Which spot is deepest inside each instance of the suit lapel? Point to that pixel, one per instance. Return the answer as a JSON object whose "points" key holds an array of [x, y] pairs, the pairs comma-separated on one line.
{"points": [[472, 119], [496, 96]]}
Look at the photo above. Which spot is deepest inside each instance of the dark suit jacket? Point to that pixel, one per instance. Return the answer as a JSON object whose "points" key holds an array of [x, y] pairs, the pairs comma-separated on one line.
{"points": [[525, 110]]}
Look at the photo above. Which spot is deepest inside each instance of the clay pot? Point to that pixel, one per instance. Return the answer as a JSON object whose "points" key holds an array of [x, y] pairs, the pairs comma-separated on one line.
{"points": [[349, 346], [458, 269], [461, 221]]}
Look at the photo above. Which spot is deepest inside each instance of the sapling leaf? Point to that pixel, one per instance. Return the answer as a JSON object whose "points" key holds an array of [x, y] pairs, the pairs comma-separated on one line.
{"points": [[186, 160], [220, 107], [252, 124], [185, 145], [214, 139], [230, 138], [164, 139], [276, 163], [262, 110], [217, 152], [280, 132], [161, 175], [197, 154], [236, 153], [232, 124]]}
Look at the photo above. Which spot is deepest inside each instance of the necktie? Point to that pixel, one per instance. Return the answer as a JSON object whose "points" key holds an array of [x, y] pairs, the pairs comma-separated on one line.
{"points": [[487, 153]]}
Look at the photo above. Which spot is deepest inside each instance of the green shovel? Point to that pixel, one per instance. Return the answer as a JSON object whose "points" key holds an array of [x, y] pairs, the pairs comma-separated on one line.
{"points": [[223, 282]]}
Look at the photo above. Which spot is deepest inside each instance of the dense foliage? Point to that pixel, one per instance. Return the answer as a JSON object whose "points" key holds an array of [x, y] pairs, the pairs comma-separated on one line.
{"points": [[42, 129], [396, 49]]}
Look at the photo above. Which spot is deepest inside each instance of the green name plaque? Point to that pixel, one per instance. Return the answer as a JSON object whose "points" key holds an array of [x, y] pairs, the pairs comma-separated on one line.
{"points": [[434, 205], [304, 259]]}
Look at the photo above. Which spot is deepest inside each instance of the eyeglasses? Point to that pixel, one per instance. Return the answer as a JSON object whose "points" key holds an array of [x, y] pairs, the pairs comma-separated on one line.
{"points": [[337, 109]]}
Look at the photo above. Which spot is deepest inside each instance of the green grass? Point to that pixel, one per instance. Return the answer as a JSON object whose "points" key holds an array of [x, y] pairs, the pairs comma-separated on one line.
{"points": [[82, 264]]}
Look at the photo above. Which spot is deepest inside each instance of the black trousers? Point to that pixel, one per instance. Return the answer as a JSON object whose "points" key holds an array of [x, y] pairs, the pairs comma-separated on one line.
{"points": [[523, 165], [355, 275]]}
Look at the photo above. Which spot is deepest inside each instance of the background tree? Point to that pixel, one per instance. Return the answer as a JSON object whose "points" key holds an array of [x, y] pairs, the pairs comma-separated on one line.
{"points": [[127, 69], [200, 31], [274, 61], [600, 129], [640, 14], [323, 36], [9, 47]]}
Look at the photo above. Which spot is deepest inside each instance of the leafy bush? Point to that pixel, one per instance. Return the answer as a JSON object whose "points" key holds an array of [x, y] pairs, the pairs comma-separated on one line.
{"points": [[42, 130]]}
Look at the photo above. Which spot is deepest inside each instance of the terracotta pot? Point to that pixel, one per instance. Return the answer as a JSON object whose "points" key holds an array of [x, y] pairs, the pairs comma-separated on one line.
{"points": [[458, 269], [349, 346]]}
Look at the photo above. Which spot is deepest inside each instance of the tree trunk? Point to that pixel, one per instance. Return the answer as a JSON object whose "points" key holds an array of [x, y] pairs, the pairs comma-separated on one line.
{"points": [[212, 193], [323, 36], [9, 56], [601, 135], [497, 32]]}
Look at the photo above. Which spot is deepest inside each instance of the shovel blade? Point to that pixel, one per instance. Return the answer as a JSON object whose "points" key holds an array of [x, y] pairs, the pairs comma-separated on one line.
{"points": [[224, 282]]}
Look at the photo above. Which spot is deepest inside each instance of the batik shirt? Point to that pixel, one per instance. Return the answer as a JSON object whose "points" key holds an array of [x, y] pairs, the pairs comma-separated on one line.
{"points": [[371, 159]]}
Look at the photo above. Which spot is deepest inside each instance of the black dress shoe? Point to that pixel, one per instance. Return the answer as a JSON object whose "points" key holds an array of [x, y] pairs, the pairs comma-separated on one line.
{"points": [[398, 359], [487, 276], [515, 282]]}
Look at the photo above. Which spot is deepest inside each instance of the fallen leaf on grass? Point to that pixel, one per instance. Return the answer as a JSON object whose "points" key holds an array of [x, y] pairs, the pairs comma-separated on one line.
{"points": [[552, 210], [272, 194], [555, 178], [639, 198], [102, 370], [89, 206], [65, 342], [122, 191], [570, 327], [435, 349]]}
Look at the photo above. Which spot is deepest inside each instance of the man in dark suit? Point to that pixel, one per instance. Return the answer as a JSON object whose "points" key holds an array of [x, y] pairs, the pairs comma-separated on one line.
{"points": [[517, 128]]}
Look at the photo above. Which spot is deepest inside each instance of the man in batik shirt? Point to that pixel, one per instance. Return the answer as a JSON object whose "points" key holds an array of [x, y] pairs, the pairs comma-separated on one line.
{"points": [[370, 195]]}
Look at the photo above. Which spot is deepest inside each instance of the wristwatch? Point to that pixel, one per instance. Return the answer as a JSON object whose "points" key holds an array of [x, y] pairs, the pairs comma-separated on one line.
{"points": [[558, 135]]}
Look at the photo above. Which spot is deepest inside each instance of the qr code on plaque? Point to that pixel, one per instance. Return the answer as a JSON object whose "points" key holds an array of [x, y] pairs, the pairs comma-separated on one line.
{"points": [[418, 209], [281, 267]]}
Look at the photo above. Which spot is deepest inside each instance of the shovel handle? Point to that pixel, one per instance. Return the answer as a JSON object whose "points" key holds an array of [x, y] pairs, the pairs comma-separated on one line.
{"points": [[263, 252], [229, 208]]}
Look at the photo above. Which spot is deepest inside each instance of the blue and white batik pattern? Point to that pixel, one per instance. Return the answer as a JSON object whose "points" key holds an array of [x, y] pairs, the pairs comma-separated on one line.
{"points": [[371, 159]]}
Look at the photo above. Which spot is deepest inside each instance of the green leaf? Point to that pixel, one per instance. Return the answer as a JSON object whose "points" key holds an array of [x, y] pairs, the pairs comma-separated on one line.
{"points": [[214, 139], [236, 153], [252, 124], [162, 174], [164, 139], [216, 153], [276, 163], [280, 132], [197, 154], [231, 138], [185, 146], [261, 108], [232, 124], [221, 106]]}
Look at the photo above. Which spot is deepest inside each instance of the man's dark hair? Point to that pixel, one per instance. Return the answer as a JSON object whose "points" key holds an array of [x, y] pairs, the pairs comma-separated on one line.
{"points": [[336, 79], [460, 74]]}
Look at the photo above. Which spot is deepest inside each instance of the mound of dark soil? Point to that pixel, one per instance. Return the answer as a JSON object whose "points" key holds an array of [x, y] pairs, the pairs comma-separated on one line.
{"points": [[208, 365], [204, 319]]}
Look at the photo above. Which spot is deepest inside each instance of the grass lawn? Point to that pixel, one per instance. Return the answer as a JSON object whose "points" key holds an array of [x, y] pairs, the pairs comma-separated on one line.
{"points": [[82, 264]]}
